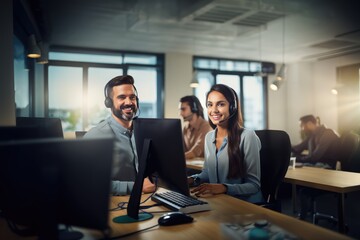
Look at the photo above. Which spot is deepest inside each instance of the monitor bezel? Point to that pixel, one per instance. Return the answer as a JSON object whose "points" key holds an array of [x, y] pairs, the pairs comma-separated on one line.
{"points": [[158, 140], [71, 182]]}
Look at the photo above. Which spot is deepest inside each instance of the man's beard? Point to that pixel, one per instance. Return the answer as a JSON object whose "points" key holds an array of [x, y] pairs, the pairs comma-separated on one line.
{"points": [[121, 115]]}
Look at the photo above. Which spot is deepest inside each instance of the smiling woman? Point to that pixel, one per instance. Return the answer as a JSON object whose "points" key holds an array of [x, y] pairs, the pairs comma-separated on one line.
{"points": [[232, 152]]}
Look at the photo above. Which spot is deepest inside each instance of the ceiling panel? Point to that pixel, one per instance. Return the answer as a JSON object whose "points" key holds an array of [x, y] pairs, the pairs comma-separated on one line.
{"points": [[300, 30]]}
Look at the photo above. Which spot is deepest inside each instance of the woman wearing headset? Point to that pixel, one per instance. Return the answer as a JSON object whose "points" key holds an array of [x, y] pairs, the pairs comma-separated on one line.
{"points": [[232, 152]]}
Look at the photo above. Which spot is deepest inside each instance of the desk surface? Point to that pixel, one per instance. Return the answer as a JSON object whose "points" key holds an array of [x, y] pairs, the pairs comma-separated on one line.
{"points": [[325, 179], [206, 224], [196, 163]]}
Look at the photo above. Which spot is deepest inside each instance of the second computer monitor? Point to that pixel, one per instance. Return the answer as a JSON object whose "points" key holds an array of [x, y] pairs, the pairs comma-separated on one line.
{"points": [[49, 181], [49, 127], [166, 155]]}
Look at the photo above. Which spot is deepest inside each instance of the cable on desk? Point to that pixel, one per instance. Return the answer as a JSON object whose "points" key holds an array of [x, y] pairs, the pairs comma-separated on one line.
{"points": [[131, 233], [123, 205]]}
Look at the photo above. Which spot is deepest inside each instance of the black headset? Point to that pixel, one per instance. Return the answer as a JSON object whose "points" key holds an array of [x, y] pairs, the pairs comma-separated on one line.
{"points": [[108, 101], [233, 103], [194, 107]]}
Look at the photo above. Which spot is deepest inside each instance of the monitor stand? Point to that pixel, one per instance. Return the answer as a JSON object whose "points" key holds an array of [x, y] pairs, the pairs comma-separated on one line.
{"points": [[67, 234], [133, 214]]}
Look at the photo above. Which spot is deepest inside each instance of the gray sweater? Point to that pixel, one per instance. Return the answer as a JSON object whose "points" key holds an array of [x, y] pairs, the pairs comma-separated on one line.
{"points": [[125, 162]]}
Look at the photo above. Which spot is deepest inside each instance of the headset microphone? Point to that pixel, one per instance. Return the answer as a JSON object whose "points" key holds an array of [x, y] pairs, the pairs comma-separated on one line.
{"points": [[187, 118], [233, 105], [136, 114], [227, 118]]}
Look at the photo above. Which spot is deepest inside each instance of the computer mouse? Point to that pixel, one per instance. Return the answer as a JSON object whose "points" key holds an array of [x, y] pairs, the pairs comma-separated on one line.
{"points": [[174, 218]]}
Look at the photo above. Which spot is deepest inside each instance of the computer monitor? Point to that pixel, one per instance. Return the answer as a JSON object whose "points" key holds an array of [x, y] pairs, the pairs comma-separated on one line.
{"points": [[48, 182], [12, 133], [50, 127], [159, 144]]}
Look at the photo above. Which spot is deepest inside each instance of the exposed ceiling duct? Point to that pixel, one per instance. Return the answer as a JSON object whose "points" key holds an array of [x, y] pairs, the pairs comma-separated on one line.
{"points": [[220, 28]]}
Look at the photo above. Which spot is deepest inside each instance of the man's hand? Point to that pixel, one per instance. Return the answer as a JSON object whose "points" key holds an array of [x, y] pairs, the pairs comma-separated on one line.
{"points": [[148, 187]]}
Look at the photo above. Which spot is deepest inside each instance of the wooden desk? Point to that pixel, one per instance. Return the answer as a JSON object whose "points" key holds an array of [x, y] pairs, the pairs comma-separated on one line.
{"points": [[339, 182], [206, 224], [196, 163]]}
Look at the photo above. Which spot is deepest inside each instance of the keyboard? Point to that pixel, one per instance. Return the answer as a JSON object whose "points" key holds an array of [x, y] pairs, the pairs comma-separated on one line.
{"points": [[180, 202]]}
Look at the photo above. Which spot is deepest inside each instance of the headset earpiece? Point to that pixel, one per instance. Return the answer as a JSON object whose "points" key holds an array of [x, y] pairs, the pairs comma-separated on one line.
{"points": [[108, 101], [194, 108], [233, 103]]}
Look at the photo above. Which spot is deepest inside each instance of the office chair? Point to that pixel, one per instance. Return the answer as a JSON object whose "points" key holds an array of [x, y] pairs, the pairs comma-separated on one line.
{"points": [[274, 160], [349, 159], [350, 152]]}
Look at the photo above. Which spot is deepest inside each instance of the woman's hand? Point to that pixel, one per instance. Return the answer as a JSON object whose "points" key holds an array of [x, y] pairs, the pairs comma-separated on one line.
{"points": [[209, 188]]}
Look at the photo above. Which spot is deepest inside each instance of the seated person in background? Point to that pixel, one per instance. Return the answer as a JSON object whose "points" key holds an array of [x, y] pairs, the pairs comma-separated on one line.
{"points": [[232, 152], [195, 127], [121, 97], [322, 144]]}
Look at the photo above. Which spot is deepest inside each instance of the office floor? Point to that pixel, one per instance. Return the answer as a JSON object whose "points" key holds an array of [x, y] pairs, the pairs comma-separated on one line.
{"points": [[327, 204]]}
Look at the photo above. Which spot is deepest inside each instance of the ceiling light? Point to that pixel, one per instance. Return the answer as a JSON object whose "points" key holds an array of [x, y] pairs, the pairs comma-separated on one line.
{"points": [[194, 81], [44, 58], [280, 76], [275, 85], [33, 50], [334, 91]]}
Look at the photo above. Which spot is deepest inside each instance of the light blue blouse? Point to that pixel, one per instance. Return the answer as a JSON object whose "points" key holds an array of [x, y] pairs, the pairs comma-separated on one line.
{"points": [[216, 166]]}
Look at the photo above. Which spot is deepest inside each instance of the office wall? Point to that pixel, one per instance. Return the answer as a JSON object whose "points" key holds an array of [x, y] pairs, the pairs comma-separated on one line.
{"points": [[308, 88], [178, 74], [325, 74], [7, 94], [277, 105], [300, 92]]}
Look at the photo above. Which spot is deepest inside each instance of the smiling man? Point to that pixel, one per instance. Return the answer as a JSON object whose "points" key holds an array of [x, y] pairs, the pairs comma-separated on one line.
{"points": [[122, 98]]}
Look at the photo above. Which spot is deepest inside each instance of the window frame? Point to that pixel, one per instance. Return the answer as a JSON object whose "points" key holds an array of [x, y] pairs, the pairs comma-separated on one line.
{"points": [[158, 67], [241, 74]]}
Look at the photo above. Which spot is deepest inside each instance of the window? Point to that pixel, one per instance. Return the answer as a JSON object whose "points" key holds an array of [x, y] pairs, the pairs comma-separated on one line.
{"points": [[94, 98], [76, 81], [146, 85], [21, 84], [254, 99], [239, 75], [65, 98]]}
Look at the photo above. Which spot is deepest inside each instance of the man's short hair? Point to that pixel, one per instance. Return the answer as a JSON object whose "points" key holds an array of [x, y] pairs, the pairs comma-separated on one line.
{"points": [[308, 118], [194, 103]]}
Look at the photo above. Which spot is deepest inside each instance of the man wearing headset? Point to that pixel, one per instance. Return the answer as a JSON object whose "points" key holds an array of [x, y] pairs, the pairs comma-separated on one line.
{"points": [[121, 97], [195, 127]]}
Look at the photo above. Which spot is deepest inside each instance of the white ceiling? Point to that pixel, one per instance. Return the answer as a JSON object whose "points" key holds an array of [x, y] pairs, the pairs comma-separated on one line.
{"points": [[268, 30]]}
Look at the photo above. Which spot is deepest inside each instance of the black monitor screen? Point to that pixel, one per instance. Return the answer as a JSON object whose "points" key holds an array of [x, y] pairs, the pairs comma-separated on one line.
{"points": [[50, 127], [12, 133], [51, 181], [166, 156], [159, 144]]}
